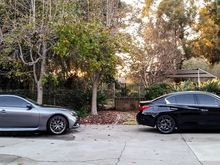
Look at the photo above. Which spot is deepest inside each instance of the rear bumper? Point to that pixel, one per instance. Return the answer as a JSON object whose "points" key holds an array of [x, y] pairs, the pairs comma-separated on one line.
{"points": [[145, 119]]}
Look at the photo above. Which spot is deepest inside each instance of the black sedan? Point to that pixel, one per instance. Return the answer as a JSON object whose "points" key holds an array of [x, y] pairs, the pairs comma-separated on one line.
{"points": [[181, 110]]}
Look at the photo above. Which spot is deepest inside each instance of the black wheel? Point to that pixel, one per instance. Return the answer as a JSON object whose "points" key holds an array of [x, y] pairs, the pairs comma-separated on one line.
{"points": [[57, 125], [165, 124]]}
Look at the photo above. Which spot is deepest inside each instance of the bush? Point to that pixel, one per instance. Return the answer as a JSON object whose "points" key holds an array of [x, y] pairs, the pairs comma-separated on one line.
{"points": [[184, 86], [157, 90], [212, 86]]}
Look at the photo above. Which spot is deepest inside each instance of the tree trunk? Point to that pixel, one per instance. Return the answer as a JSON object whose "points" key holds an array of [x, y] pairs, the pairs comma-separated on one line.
{"points": [[39, 93], [94, 95], [42, 73]]}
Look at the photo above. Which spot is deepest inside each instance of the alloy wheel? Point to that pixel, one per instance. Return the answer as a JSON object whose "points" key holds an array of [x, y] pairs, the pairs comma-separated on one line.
{"points": [[165, 124], [57, 125]]}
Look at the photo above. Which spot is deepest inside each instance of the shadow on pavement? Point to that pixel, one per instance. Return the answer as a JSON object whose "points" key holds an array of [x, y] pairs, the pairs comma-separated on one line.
{"points": [[182, 131], [68, 136], [148, 129], [198, 131]]}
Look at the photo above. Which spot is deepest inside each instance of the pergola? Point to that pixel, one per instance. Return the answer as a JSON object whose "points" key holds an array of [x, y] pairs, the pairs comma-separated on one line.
{"points": [[193, 74]]}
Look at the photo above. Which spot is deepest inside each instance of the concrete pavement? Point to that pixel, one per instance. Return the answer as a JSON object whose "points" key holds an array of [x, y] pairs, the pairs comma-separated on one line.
{"points": [[111, 145]]}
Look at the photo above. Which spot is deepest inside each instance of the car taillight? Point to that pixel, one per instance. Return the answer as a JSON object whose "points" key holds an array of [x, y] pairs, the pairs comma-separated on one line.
{"points": [[141, 108]]}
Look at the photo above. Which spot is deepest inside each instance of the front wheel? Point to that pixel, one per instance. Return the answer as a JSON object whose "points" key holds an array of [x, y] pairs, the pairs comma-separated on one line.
{"points": [[57, 125], [165, 124]]}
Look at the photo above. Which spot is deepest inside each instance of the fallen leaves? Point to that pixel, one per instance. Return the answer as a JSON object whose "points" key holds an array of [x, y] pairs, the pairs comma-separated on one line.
{"points": [[111, 117]]}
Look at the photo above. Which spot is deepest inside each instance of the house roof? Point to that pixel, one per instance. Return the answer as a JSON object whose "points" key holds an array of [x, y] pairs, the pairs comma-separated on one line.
{"points": [[193, 73]]}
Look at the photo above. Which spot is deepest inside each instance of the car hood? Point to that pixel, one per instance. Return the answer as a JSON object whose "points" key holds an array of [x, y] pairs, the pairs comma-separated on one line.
{"points": [[55, 108]]}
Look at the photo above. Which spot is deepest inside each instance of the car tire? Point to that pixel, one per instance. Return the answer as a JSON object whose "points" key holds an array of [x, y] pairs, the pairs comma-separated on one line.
{"points": [[165, 124], [57, 125]]}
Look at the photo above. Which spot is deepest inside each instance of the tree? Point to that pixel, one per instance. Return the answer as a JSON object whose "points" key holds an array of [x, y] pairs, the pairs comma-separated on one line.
{"points": [[159, 57], [207, 42], [196, 62], [178, 15], [93, 48], [32, 34]]}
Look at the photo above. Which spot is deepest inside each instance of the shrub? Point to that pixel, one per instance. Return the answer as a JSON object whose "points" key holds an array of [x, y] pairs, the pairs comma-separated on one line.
{"points": [[212, 86], [157, 90], [184, 86]]}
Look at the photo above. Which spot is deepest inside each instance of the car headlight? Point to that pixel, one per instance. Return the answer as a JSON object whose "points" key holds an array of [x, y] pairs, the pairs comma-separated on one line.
{"points": [[73, 113]]}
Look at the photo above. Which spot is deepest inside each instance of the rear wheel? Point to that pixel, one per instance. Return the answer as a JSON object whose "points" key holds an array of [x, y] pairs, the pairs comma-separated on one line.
{"points": [[57, 125], [165, 124]]}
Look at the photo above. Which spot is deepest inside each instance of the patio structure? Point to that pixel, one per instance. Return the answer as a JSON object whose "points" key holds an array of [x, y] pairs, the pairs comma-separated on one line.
{"points": [[196, 75]]}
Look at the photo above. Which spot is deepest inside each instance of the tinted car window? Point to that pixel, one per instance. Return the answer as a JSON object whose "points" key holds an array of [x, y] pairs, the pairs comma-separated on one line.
{"points": [[159, 101], [204, 99], [182, 99], [9, 101]]}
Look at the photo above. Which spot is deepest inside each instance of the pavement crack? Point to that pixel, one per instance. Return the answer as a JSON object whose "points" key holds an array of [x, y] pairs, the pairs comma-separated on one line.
{"points": [[122, 151], [191, 149]]}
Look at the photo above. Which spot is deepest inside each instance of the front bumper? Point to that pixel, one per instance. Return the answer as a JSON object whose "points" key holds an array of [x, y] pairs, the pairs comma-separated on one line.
{"points": [[145, 119], [77, 123]]}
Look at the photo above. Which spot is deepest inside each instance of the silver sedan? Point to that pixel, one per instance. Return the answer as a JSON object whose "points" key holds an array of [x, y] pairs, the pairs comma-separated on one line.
{"points": [[20, 114]]}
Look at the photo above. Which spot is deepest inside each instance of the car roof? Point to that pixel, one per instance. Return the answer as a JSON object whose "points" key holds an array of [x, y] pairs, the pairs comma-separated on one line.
{"points": [[10, 95], [183, 92], [190, 92]]}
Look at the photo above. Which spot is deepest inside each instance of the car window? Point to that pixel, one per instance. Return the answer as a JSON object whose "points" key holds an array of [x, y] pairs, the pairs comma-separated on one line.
{"points": [[204, 99], [159, 101], [181, 99], [10, 101]]}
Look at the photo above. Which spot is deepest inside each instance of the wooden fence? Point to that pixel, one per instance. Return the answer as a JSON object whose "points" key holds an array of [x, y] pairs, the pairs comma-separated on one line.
{"points": [[127, 103]]}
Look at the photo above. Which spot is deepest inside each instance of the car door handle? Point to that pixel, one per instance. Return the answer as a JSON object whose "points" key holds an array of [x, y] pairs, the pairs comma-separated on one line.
{"points": [[3, 111], [204, 110]]}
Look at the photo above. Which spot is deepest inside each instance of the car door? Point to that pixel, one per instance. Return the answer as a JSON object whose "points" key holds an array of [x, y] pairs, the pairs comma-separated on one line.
{"points": [[184, 107], [15, 114], [210, 107]]}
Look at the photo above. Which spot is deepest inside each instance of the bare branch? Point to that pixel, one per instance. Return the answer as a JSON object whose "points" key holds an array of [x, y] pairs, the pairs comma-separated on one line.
{"points": [[1, 36], [22, 57]]}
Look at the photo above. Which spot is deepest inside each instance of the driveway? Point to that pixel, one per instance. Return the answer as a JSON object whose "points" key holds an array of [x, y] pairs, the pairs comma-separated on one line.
{"points": [[111, 145]]}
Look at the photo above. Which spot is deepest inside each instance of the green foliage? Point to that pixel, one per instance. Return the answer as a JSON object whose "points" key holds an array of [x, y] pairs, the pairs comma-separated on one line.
{"points": [[92, 46], [184, 86], [51, 80], [157, 90], [84, 111], [211, 86]]}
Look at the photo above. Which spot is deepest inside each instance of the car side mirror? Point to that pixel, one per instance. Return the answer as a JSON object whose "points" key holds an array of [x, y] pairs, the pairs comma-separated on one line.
{"points": [[29, 106]]}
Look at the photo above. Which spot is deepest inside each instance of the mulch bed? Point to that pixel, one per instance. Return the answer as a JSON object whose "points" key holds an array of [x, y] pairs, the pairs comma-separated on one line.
{"points": [[110, 117]]}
